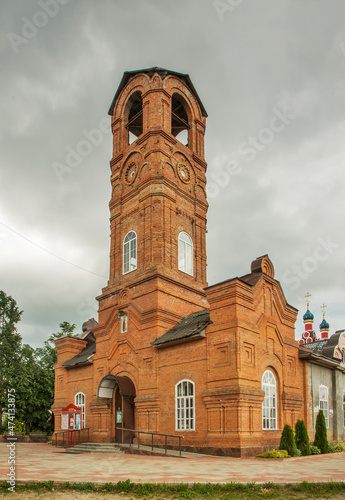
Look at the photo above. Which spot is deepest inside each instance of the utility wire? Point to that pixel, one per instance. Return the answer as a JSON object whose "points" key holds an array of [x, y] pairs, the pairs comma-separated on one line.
{"points": [[51, 253]]}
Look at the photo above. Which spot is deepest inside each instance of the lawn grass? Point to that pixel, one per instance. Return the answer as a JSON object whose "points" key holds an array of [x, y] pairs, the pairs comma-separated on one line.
{"points": [[192, 491]]}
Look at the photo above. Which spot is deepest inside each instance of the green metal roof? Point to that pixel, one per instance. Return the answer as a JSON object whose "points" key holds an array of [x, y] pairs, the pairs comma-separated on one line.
{"points": [[163, 73]]}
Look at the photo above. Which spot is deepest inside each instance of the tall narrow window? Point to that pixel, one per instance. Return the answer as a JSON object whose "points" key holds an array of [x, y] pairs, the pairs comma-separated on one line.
{"points": [[179, 119], [185, 253], [123, 323], [269, 405], [130, 252], [135, 117], [79, 400], [185, 406], [323, 398]]}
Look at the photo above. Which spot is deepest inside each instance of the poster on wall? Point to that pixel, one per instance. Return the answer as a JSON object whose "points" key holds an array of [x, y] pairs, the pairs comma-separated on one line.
{"points": [[77, 421], [71, 421], [64, 421]]}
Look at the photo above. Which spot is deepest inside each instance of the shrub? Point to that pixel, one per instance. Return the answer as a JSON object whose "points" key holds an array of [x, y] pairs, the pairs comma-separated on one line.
{"points": [[274, 454], [321, 433], [339, 447], [302, 438], [315, 450], [331, 449], [287, 441]]}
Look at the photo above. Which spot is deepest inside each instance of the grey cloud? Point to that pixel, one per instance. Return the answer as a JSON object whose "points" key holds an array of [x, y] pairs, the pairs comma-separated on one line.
{"points": [[264, 54]]}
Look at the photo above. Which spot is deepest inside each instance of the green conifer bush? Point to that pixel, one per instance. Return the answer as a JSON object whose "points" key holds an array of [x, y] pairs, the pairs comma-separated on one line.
{"points": [[302, 438], [287, 441], [321, 433]]}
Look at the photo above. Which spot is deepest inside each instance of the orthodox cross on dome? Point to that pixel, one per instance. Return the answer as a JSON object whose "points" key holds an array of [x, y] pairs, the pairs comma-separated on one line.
{"points": [[323, 307], [324, 326], [307, 297]]}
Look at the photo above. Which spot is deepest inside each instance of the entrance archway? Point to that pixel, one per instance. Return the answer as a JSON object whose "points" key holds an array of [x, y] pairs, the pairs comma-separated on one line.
{"points": [[123, 404]]}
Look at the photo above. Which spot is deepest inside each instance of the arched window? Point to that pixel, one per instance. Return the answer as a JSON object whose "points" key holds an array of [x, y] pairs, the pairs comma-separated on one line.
{"points": [[135, 117], [179, 119], [185, 406], [79, 400], [269, 405], [185, 253], [130, 252], [323, 402]]}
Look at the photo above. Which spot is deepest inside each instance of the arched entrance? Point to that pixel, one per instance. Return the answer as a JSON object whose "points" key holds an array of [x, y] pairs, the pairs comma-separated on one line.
{"points": [[123, 404]]}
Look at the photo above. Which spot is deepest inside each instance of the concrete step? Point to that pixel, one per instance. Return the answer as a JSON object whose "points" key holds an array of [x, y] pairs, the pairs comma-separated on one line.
{"points": [[94, 448]]}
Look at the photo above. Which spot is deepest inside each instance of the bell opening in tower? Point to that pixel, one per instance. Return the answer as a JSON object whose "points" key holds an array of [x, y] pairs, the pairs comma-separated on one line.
{"points": [[179, 119], [135, 117]]}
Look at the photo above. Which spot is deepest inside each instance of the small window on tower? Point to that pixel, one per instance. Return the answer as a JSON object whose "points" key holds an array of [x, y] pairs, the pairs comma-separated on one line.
{"points": [[185, 253], [123, 323], [179, 119], [135, 117]]}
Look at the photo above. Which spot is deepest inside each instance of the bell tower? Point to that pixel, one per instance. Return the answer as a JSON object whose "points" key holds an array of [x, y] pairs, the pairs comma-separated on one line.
{"points": [[158, 205]]}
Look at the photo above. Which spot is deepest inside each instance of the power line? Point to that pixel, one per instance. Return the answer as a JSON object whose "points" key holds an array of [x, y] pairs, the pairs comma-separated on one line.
{"points": [[51, 253]]}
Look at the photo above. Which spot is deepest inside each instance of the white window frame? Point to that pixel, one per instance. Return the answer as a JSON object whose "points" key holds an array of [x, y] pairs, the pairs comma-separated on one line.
{"points": [[130, 252], [79, 400], [185, 406], [323, 402], [269, 404], [185, 253]]}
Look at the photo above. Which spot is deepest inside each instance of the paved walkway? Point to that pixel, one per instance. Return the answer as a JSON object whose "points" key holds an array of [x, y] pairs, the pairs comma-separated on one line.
{"points": [[42, 462]]}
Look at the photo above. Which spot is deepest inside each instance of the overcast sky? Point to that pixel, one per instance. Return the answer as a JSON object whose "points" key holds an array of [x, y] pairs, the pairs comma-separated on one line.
{"points": [[271, 76]]}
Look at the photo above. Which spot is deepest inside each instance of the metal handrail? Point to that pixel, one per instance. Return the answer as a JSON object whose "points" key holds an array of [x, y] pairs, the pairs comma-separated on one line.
{"points": [[74, 432], [154, 434]]}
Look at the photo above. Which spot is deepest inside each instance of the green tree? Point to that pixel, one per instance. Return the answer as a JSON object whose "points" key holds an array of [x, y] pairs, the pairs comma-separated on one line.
{"points": [[38, 370], [47, 355], [47, 358], [321, 433], [27, 389], [287, 441], [30, 373], [66, 329], [302, 438], [10, 345]]}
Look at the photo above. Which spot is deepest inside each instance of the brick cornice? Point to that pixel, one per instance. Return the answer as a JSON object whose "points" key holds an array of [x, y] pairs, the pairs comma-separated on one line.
{"points": [[116, 159]]}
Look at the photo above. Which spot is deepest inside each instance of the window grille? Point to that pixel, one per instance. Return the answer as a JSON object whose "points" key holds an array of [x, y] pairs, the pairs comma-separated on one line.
{"points": [[185, 253], [185, 406], [323, 402], [130, 252], [79, 400], [269, 405]]}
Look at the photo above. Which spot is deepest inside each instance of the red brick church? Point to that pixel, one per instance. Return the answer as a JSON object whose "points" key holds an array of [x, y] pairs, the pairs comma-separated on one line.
{"points": [[217, 364]]}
